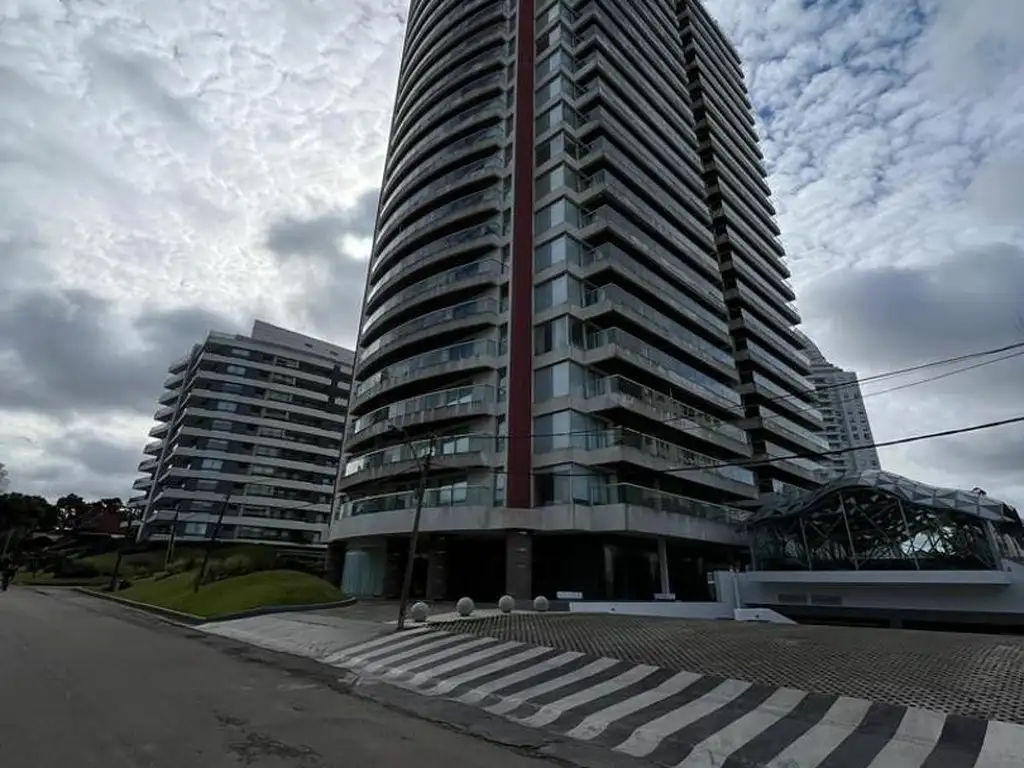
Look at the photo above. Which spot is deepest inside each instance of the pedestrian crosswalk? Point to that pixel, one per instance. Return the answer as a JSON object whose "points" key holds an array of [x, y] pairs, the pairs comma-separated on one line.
{"points": [[679, 719]]}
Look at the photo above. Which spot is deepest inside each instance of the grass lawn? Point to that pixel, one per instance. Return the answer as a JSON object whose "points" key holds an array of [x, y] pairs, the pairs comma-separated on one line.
{"points": [[240, 593]]}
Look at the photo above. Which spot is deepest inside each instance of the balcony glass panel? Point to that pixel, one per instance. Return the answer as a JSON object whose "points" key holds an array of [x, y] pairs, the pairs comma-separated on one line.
{"points": [[454, 495], [451, 445], [447, 398], [423, 322], [408, 368]]}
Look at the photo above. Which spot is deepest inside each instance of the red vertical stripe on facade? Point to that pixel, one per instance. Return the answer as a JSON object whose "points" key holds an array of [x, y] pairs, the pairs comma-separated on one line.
{"points": [[520, 356]]}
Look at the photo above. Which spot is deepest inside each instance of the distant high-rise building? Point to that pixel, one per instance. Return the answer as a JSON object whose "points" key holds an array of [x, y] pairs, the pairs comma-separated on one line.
{"points": [[254, 423], [576, 306], [846, 422]]}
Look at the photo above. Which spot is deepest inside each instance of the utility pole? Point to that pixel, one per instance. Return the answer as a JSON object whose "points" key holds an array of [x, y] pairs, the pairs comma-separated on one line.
{"points": [[424, 467], [211, 542]]}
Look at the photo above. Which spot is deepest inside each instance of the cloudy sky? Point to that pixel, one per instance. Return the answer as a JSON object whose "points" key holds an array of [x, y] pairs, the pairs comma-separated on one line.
{"points": [[167, 167]]}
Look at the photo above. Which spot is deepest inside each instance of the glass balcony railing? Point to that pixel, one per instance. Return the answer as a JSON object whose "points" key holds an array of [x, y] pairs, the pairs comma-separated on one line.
{"points": [[455, 495], [461, 311], [667, 407], [432, 189], [401, 234], [611, 253], [654, 358], [407, 369], [449, 445], [649, 498], [678, 457], [785, 426], [413, 261], [764, 331], [673, 330], [802, 382], [458, 397], [454, 276]]}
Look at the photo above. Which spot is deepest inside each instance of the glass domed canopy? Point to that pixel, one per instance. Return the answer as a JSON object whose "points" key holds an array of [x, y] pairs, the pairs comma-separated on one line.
{"points": [[876, 520]]}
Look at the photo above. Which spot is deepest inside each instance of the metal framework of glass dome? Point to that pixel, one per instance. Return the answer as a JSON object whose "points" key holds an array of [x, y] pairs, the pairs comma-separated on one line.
{"points": [[877, 520]]}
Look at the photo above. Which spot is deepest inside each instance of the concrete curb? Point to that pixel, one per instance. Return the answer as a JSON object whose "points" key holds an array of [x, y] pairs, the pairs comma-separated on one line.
{"points": [[193, 620]]}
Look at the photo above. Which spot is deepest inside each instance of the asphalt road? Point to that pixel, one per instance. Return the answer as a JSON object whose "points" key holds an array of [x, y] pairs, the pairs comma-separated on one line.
{"points": [[88, 683]]}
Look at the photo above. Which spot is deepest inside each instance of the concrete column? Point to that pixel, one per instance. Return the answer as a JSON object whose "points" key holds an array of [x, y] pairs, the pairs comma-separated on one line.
{"points": [[519, 565], [437, 569], [335, 562], [394, 566], [666, 586]]}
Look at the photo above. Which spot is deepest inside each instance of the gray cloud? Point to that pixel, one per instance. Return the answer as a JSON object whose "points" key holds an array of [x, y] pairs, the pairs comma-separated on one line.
{"points": [[887, 317], [67, 352], [333, 281], [319, 236]]}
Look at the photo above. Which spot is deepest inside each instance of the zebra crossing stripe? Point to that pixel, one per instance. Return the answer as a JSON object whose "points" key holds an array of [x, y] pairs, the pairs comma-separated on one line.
{"points": [[551, 712], [494, 686], [371, 646], [390, 659], [1003, 746], [443, 669], [451, 683], [815, 745], [433, 658], [913, 741], [714, 750], [583, 673], [595, 724]]}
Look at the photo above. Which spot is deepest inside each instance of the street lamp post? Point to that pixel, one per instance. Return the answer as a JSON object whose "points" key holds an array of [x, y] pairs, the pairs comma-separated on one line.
{"points": [[423, 464]]}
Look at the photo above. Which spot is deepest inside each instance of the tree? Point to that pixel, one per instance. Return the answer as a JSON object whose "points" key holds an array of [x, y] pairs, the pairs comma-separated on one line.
{"points": [[71, 509], [21, 515]]}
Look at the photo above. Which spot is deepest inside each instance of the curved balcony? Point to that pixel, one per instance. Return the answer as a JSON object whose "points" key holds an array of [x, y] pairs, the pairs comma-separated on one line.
{"points": [[471, 47], [469, 206], [613, 298], [455, 495], [427, 196], [475, 237], [458, 358], [433, 325], [620, 392], [615, 341], [444, 405], [449, 451], [465, 277], [430, 154], [435, 129], [620, 445], [419, 47]]}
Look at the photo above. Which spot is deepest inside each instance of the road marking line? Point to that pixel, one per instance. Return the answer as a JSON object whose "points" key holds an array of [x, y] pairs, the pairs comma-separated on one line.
{"points": [[647, 737], [439, 656], [551, 712], [715, 749], [475, 695], [591, 669], [473, 658], [450, 684], [913, 741], [1003, 746], [390, 659], [594, 725], [816, 744], [399, 640]]}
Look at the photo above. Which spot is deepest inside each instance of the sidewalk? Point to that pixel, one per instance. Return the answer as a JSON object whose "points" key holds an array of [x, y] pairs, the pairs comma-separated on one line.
{"points": [[664, 715]]}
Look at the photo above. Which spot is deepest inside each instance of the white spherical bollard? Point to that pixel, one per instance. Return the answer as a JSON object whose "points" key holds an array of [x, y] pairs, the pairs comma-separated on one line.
{"points": [[464, 606], [506, 603], [540, 604], [419, 612]]}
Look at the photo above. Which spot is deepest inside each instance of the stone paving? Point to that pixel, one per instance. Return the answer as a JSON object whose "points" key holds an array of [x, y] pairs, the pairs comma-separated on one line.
{"points": [[966, 674]]}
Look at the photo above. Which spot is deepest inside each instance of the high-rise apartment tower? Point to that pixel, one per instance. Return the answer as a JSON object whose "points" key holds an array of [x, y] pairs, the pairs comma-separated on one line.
{"points": [[577, 325], [251, 425], [845, 418]]}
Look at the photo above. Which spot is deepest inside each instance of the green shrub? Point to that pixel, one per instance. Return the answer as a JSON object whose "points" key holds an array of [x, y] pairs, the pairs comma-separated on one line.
{"points": [[183, 564], [215, 571], [161, 575], [238, 565]]}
